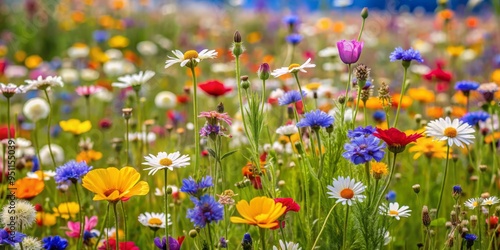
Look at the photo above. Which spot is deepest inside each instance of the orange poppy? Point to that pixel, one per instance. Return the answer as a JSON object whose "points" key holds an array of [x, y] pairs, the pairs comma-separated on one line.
{"points": [[28, 188], [89, 156], [405, 102]]}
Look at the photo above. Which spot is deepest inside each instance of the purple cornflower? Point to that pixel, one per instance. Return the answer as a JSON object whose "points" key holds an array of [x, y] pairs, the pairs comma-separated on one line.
{"points": [[364, 149], [406, 55], [247, 242], [206, 210], [290, 97], [349, 51], [315, 119], [473, 118], [360, 131], [173, 244], [194, 188], [10, 237], [294, 39], [71, 171]]}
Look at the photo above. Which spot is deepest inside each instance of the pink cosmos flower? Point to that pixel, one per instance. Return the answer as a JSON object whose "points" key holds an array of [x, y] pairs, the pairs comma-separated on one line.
{"points": [[74, 227], [87, 91]]}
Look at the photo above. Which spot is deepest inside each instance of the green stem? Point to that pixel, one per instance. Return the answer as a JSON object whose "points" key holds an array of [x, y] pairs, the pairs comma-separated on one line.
{"points": [[344, 106], [262, 233], [125, 220], [365, 120], [195, 121], [166, 204], [263, 95], [82, 220], [361, 30], [127, 141], [444, 179], [283, 235], [117, 235], [316, 131], [367, 172], [346, 223], [48, 129], [139, 126], [357, 107], [323, 227], [87, 101], [102, 227], [386, 186], [210, 236], [296, 75], [403, 88]]}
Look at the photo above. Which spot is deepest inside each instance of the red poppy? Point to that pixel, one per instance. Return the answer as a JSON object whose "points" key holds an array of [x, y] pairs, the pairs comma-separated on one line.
{"points": [[493, 222], [4, 133], [214, 88], [438, 73], [289, 203], [395, 139], [111, 244], [183, 98]]}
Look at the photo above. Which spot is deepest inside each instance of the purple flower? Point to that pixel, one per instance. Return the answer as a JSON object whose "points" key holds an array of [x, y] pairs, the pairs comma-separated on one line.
{"points": [[294, 39], [194, 188], [206, 210], [55, 243], [71, 171], [290, 97], [349, 51], [473, 118], [364, 149], [406, 55], [10, 238], [173, 244], [315, 119], [209, 129], [360, 131]]}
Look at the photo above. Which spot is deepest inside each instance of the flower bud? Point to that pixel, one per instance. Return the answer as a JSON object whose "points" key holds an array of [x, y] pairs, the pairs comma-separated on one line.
{"points": [[364, 13], [220, 108], [244, 82], [237, 37], [127, 113], [426, 219], [483, 168], [416, 188], [193, 233], [264, 71]]}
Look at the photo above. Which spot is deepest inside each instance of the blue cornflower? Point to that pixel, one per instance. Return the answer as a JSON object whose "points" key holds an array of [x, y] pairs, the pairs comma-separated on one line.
{"points": [[173, 244], [360, 131], [406, 55], [192, 187], [315, 119], [54, 243], [206, 210], [71, 171], [466, 86], [100, 36], [290, 97], [391, 196], [293, 39], [222, 243], [10, 238], [291, 20], [457, 190], [473, 118], [379, 116], [364, 149], [247, 243], [469, 238]]}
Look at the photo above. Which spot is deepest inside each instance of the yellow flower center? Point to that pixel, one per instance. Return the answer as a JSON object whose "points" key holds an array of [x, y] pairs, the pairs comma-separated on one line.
{"points": [[293, 65], [450, 132], [393, 212], [474, 204], [165, 162], [347, 193], [488, 203], [190, 54], [155, 221]]}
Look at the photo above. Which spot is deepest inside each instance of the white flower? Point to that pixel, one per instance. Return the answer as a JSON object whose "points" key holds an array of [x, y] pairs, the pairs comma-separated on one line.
{"points": [[490, 201], [166, 100], [24, 212], [328, 52], [164, 160], [56, 150], [89, 74], [117, 67], [394, 210], [147, 48], [78, 51], [43, 84], [289, 246], [36, 109], [489, 87], [29, 243], [24, 148], [287, 130], [104, 95], [15, 71], [346, 190], [154, 220], [342, 3], [8, 90], [134, 80], [472, 203], [188, 56], [69, 75], [113, 54], [276, 94], [456, 132], [146, 138], [47, 174], [293, 68]]}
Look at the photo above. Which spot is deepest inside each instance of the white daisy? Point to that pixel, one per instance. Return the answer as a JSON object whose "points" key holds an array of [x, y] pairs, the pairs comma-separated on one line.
{"points": [[346, 190], [36, 109], [288, 245], [43, 84], [134, 80], [164, 160], [8, 90], [154, 220], [189, 56], [456, 132], [57, 151], [395, 211], [166, 100], [472, 203], [490, 201], [47, 174], [287, 130], [328, 52], [293, 68]]}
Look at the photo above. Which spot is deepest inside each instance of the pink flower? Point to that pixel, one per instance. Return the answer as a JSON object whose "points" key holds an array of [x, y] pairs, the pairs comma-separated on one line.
{"points": [[74, 227], [213, 117], [349, 51], [87, 90]]}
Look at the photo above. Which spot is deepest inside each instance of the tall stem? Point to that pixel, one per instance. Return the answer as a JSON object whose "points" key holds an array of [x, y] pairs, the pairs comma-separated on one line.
{"points": [[117, 235], [87, 101], [82, 220], [166, 205], [195, 121], [444, 178], [127, 141], [102, 227], [320, 153], [210, 236], [348, 85], [48, 129], [139, 126], [357, 107], [403, 88], [283, 234], [262, 233], [124, 215], [386, 186], [362, 28], [296, 75], [324, 224], [346, 222]]}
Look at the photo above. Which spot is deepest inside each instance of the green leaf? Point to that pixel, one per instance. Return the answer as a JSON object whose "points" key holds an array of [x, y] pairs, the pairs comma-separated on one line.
{"points": [[212, 153], [440, 222], [228, 154]]}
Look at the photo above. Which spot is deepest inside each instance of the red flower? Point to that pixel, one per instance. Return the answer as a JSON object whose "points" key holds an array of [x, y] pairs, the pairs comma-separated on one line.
{"points": [[183, 99], [289, 203], [129, 245], [4, 133], [493, 222], [395, 139], [438, 73], [214, 88]]}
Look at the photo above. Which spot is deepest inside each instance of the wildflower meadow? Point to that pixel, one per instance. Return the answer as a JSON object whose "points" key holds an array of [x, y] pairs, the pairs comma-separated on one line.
{"points": [[249, 125]]}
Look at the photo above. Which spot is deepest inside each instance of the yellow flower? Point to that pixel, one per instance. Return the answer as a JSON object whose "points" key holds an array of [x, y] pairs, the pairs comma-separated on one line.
{"points": [[262, 212], [324, 24], [455, 51], [254, 37], [422, 95], [430, 148], [3, 50], [112, 185], [495, 76], [67, 209], [33, 61], [20, 55], [118, 42], [313, 86], [45, 219], [75, 126], [89, 156], [378, 169]]}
